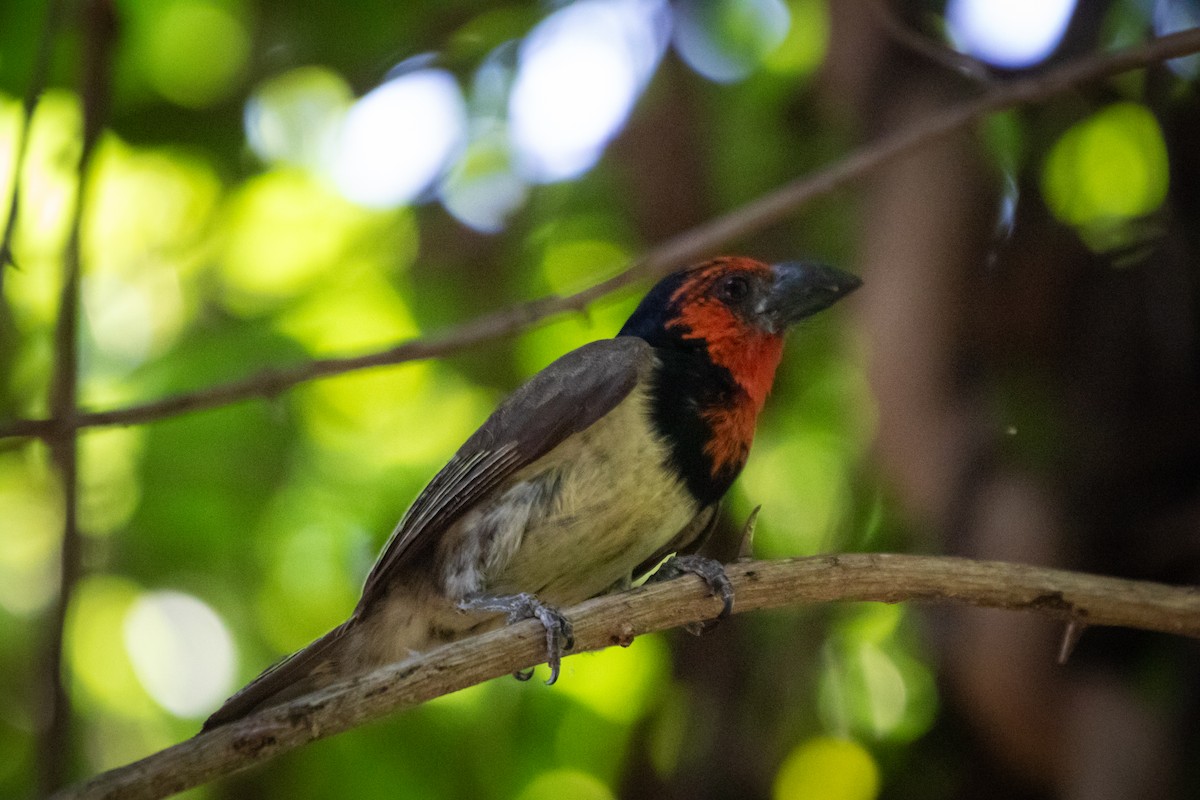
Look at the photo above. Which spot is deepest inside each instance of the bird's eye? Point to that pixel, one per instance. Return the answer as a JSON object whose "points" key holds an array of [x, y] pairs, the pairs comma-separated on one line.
{"points": [[734, 288]]}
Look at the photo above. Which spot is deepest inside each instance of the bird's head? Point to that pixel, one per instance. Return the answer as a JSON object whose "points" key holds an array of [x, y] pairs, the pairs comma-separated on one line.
{"points": [[736, 311]]}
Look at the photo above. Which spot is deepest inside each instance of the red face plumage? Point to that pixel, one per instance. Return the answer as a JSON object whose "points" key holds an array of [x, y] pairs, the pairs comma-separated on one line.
{"points": [[750, 353], [735, 342]]}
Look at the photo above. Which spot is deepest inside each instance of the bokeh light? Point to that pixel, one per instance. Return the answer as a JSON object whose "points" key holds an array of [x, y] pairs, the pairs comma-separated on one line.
{"points": [[399, 137], [482, 190], [288, 230], [1109, 168], [32, 514], [309, 587], [873, 684], [194, 52], [350, 312], [580, 72], [562, 783], [49, 187], [181, 652], [1008, 33], [726, 40], [570, 264], [803, 47], [133, 293], [1173, 16], [295, 117], [100, 664], [827, 768]]}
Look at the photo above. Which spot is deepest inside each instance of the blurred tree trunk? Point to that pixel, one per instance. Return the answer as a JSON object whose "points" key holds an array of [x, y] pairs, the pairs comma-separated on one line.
{"points": [[1097, 354]]}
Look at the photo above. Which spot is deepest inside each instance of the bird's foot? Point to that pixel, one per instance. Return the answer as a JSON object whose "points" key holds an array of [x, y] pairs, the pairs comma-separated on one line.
{"points": [[518, 607], [712, 572]]}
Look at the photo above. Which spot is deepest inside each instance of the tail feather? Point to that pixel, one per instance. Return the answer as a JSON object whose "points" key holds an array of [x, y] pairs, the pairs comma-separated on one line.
{"points": [[304, 671]]}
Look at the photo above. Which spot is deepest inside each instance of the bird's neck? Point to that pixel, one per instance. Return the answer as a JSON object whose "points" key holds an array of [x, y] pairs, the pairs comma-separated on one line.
{"points": [[751, 362], [705, 403]]}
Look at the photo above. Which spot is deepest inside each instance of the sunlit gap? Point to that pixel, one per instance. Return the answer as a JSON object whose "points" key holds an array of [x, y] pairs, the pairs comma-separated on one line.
{"points": [[482, 190], [1008, 33], [181, 652], [579, 74], [1173, 16], [827, 767], [296, 117], [399, 137], [727, 40], [1106, 172]]}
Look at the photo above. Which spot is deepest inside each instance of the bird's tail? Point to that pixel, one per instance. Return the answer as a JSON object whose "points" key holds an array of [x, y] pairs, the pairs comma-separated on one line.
{"points": [[304, 671]]}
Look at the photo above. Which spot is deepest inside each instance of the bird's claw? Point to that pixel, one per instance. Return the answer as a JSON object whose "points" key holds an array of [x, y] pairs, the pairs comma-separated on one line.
{"points": [[560, 637], [712, 572]]}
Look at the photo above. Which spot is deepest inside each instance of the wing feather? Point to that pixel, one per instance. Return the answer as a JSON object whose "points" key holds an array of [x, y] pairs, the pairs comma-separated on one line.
{"points": [[563, 399]]}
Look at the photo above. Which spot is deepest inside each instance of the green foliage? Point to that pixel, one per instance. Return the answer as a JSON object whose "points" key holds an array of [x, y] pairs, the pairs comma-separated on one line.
{"points": [[204, 263], [216, 245], [1108, 170]]}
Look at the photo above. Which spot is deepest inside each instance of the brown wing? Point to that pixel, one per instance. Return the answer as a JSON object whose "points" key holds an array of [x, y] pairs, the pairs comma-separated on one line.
{"points": [[564, 398]]}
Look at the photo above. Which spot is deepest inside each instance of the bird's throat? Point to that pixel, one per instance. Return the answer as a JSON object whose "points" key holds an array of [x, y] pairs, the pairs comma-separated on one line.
{"points": [[751, 361], [706, 404]]}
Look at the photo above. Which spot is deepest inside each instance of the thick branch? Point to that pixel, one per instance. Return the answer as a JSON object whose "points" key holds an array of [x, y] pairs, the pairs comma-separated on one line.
{"points": [[687, 246], [617, 619]]}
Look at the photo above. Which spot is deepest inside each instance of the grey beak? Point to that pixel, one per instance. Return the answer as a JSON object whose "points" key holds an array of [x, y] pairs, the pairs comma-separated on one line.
{"points": [[801, 289]]}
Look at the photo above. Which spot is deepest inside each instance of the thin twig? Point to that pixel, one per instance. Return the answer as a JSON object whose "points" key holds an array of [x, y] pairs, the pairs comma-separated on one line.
{"points": [[694, 243], [1073, 630], [930, 49], [618, 619], [54, 740], [33, 92]]}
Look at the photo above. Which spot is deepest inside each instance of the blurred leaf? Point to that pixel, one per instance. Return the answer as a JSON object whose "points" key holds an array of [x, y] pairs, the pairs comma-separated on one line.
{"points": [[1106, 170], [824, 768]]}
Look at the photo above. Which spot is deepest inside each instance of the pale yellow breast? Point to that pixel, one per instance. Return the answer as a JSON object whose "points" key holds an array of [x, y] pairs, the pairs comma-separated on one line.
{"points": [[615, 507]]}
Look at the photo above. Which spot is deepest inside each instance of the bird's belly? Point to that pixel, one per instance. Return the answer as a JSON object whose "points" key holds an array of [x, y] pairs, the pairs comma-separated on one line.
{"points": [[595, 539], [580, 519]]}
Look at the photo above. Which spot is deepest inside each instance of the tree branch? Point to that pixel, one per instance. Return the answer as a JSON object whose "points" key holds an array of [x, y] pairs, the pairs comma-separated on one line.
{"points": [[933, 50], [54, 734], [687, 246], [617, 619]]}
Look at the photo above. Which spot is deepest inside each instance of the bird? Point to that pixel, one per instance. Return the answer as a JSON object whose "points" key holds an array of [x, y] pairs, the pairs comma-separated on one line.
{"points": [[610, 460]]}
